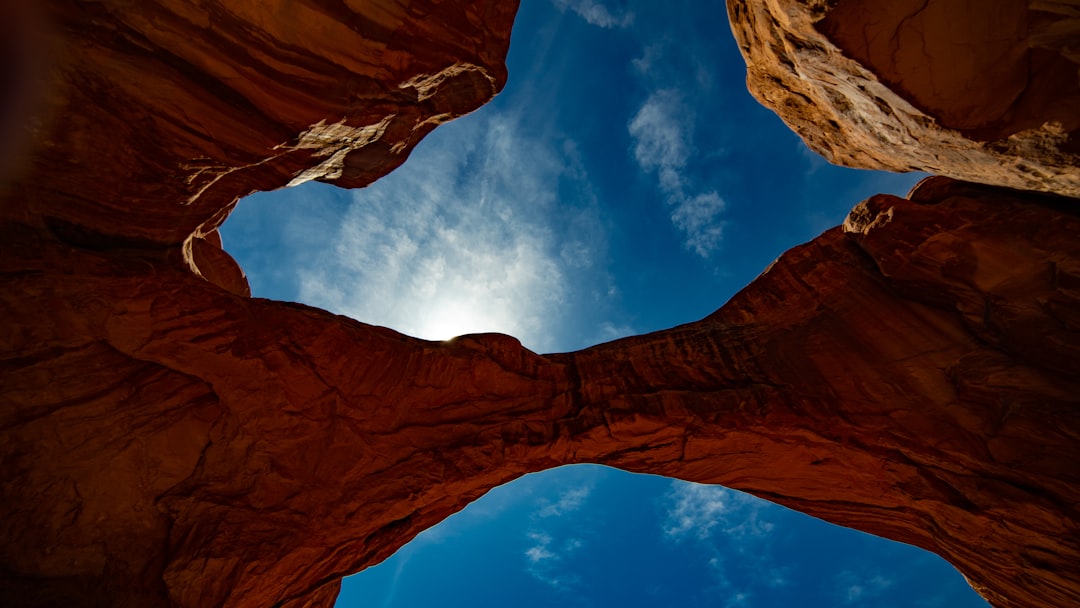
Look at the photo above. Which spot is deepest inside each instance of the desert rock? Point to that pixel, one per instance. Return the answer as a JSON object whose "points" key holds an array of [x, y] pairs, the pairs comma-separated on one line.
{"points": [[986, 92], [166, 440]]}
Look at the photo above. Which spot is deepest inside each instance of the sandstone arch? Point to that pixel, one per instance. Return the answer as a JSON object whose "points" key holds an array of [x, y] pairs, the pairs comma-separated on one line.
{"points": [[169, 441]]}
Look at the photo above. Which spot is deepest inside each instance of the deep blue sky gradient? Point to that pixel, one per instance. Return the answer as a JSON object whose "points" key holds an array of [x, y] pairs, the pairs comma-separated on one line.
{"points": [[624, 182]]}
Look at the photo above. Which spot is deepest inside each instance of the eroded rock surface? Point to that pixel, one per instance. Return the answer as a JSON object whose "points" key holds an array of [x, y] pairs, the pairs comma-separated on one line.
{"points": [[166, 440], [984, 91], [152, 118]]}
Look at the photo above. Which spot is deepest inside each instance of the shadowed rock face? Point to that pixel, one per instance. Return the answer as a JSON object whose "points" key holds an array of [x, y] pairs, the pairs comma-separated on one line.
{"points": [[153, 118], [167, 441], [979, 90]]}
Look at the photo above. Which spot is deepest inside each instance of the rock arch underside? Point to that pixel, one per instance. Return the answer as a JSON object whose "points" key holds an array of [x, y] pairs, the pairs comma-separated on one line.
{"points": [[167, 440]]}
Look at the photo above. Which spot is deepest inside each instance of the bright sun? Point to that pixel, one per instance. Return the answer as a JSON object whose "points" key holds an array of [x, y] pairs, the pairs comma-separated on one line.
{"points": [[452, 317]]}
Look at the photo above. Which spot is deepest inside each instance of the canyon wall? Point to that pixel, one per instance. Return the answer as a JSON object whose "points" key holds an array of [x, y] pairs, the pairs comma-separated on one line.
{"points": [[167, 440], [980, 90]]}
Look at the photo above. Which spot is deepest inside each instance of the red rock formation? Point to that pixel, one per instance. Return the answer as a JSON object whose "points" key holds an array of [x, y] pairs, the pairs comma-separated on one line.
{"points": [[980, 90], [167, 441], [161, 117]]}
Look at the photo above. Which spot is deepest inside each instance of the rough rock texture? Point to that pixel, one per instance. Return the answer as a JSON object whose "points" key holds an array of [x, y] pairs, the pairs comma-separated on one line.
{"points": [[166, 440], [150, 122], [980, 90]]}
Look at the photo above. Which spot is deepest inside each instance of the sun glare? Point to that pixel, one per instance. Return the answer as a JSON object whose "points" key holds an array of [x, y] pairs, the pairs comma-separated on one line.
{"points": [[454, 317]]}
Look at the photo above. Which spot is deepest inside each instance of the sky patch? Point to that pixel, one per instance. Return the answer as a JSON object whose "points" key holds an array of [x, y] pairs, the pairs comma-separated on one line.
{"points": [[596, 13]]}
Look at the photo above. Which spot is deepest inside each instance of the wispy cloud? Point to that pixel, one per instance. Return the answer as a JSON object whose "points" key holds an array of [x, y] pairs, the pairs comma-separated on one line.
{"points": [[546, 551], [698, 217], [596, 13], [661, 138], [699, 511], [695, 510], [661, 131], [725, 524], [541, 550], [568, 502], [855, 588], [544, 555], [464, 238], [732, 591]]}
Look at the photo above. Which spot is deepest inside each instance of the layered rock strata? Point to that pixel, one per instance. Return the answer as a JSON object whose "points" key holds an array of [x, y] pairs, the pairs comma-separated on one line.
{"points": [[166, 440], [914, 375], [979, 90]]}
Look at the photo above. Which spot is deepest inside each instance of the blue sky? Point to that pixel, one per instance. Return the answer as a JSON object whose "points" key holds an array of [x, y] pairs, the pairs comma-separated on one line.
{"points": [[624, 182]]}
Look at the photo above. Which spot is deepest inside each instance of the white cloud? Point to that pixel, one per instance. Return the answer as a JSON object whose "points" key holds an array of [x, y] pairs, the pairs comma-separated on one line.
{"points": [[855, 588], [569, 501], [733, 532], [661, 138], [463, 238], [540, 551], [649, 57], [697, 510], [661, 132], [596, 13], [545, 554], [698, 217]]}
